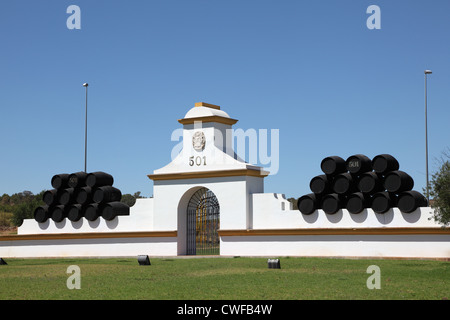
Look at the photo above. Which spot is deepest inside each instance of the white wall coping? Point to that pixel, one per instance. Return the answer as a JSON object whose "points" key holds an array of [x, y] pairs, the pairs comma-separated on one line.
{"points": [[140, 219]]}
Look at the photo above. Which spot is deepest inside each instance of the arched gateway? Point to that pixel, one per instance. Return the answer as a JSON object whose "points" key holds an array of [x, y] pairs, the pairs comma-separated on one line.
{"points": [[202, 223], [205, 172], [206, 180]]}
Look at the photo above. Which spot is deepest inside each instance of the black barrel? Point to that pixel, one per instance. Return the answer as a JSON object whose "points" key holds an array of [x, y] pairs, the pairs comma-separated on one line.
{"points": [[99, 179], [77, 179], [357, 202], [308, 203], [409, 201], [384, 163], [51, 197], [344, 184], [42, 213], [84, 195], [370, 183], [398, 181], [93, 211], [67, 196], [114, 209], [107, 194], [60, 181], [358, 164], [333, 165], [383, 201], [76, 212], [320, 184], [59, 212], [332, 202]]}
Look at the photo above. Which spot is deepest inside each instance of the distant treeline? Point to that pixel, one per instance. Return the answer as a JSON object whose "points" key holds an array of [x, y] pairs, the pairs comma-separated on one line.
{"points": [[19, 206]]}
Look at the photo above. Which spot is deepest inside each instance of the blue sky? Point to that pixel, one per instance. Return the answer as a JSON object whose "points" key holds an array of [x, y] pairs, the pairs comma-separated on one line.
{"points": [[311, 69]]}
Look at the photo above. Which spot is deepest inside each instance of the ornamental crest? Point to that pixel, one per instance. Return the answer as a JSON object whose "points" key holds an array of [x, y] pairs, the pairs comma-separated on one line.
{"points": [[198, 141]]}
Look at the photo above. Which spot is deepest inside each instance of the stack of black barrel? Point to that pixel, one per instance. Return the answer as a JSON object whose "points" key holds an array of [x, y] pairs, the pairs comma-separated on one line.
{"points": [[81, 194], [359, 183]]}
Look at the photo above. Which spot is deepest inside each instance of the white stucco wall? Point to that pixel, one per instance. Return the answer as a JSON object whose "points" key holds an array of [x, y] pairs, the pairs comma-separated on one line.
{"points": [[268, 214], [243, 206], [397, 246], [233, 193], [140, 219], [107, 247]]}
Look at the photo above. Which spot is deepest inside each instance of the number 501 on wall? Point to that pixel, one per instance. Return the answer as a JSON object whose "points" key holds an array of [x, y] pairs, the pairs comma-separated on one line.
{"points": [[198, 161]]}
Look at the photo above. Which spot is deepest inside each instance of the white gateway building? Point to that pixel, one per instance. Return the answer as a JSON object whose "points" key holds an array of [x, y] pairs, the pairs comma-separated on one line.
{"points": [[208, 201]]}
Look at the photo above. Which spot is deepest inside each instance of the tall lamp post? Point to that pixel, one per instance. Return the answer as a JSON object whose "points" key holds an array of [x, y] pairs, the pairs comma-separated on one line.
{"points": [[85, 130], [426, 134]]}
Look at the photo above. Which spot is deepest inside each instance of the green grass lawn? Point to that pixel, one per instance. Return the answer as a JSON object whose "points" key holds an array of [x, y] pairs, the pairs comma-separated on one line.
{"points": [[224, 278]]}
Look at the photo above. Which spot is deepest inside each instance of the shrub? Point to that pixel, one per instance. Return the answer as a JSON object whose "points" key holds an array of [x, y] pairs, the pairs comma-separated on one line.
{"points": [[5, 219], [440, 191]]}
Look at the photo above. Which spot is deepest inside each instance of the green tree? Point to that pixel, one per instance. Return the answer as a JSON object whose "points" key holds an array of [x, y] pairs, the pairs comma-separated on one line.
{"points": [[25, 204], [22, 211], [5, 199], [137, 195], [440, 190], [129, 199], [5, 219]]}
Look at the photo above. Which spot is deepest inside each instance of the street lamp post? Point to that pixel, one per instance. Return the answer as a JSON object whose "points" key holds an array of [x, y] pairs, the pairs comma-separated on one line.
{"points": [[85, 130], [426, 134]]}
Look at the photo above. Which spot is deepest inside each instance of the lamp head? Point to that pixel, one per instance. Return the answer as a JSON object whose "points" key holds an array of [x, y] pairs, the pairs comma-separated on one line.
{"points": [[85, 84], [427, 72]]}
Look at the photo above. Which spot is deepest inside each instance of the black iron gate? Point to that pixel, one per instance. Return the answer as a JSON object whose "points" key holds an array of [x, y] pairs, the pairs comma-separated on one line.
{"points": [[202, 223]]}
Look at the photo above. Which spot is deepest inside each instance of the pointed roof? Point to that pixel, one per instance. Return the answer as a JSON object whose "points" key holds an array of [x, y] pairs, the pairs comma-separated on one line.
{"points": [[220, 163], [206, 112]]}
